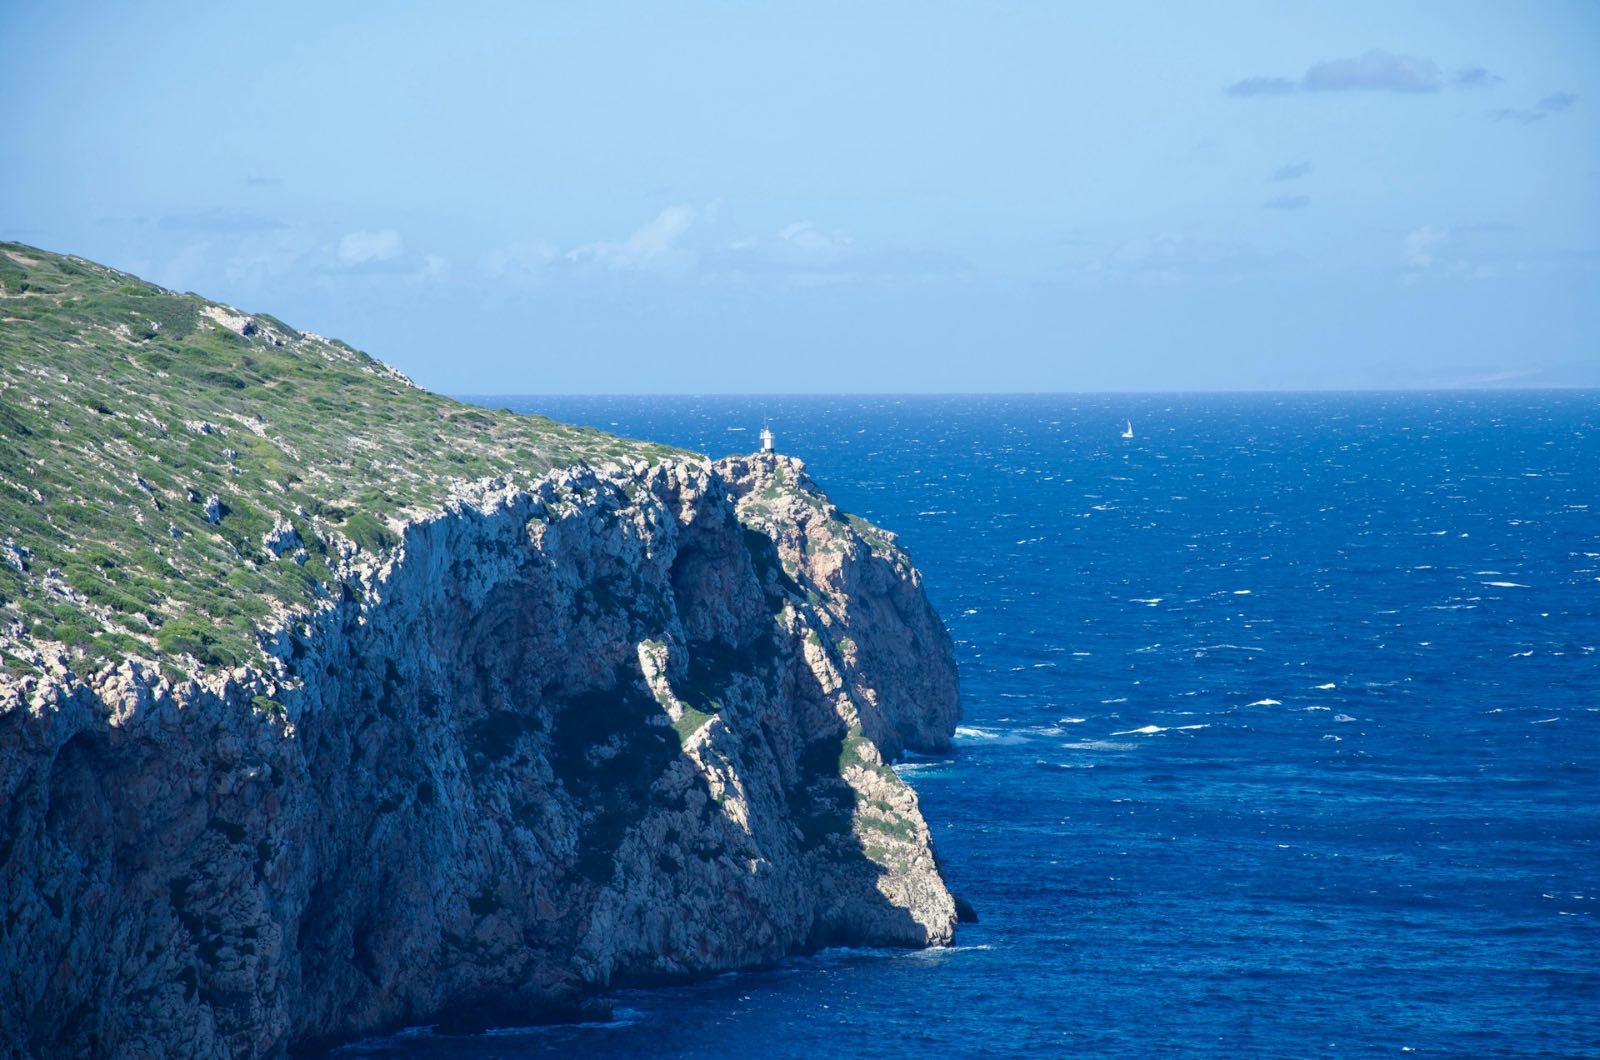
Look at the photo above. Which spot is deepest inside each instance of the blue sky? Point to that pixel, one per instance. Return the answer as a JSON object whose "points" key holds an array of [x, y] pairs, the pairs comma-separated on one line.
{"points": [[841, 197]]}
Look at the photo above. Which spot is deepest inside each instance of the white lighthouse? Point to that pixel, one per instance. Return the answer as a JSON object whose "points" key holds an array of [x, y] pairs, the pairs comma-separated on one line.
{"points": [[766, 438]]}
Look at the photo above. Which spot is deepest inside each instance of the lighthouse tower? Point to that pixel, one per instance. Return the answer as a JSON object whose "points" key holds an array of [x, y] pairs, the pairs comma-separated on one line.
{"points": [[766, 438]]}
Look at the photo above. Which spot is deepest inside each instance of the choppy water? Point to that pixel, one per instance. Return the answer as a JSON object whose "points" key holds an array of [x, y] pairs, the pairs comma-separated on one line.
{"points": [[1282, 737]]}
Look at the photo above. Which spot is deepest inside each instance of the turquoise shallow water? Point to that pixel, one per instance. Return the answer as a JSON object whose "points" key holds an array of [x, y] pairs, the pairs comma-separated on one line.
{"points": [[1282, 728]]}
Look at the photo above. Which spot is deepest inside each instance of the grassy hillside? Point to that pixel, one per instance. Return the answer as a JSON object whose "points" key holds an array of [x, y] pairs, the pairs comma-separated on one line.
{"points": [[153, 445]]}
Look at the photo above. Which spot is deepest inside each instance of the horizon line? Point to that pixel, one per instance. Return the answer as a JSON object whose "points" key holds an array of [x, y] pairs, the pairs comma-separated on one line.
{"points": [[1555, 388]]}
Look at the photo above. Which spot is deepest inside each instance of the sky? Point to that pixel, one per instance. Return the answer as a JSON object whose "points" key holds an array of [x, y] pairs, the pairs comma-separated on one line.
{"points": [[841, 197]]}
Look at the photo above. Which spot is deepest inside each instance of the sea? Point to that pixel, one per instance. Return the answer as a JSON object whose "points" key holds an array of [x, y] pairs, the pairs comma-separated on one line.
{"points": [[1281, 729]]}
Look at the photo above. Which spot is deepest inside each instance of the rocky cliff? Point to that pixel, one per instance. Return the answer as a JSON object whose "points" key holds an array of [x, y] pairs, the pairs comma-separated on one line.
{"points": [[553, 730]]}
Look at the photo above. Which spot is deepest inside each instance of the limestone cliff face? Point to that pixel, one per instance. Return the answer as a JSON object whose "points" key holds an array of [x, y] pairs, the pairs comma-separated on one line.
{"points": [[603, 725]]}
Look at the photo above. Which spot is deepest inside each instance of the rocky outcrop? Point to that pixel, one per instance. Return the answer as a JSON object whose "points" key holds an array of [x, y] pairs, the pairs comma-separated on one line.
{"points": [[602, 726]]}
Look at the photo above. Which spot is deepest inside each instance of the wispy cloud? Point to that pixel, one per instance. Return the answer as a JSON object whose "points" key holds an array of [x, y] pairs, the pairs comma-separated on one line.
{"points": [[219, 221], [258, 261], [688, 243], [1291, 171], [799, 246], [1432, 250], [1262, 86], [1421, 246], [1554, 103], [1478, 251], [652, 246], [374, 252], [1475, 77], [522, 263], [1374, 70], [807, 239], [802, 254], [369, 248], [1180, 258], [662, 245], [1288, 202]]}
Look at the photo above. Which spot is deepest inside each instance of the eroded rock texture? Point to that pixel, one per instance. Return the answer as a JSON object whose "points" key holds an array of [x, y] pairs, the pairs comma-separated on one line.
{"points": [[628, 724]]}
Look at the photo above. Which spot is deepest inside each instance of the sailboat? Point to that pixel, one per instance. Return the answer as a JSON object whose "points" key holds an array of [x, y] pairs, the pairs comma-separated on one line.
{"points": [[1127, 432]]}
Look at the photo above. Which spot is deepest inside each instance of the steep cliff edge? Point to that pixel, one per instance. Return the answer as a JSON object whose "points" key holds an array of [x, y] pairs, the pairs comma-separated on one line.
{"points": [[540, 731]]}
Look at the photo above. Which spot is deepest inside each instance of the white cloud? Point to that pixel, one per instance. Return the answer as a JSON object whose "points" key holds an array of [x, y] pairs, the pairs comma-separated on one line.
{"points": [[652, 246], [804, 237], [364, 248], [659, 245], [1421, 245]]}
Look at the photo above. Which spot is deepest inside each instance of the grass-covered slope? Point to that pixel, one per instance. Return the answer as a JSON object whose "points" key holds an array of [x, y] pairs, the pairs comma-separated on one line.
{"points": [[173, 472]]}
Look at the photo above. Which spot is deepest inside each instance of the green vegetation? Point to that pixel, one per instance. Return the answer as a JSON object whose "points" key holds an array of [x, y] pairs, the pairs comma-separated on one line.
{"points": [[850, 754], [877, 540], [150, 441], [691, 720], [895, 826], [269, 706]]}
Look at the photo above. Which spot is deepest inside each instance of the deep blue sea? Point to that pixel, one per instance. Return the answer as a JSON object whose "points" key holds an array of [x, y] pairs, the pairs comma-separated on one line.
{"points": [[1282, 728]]}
